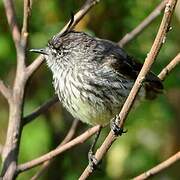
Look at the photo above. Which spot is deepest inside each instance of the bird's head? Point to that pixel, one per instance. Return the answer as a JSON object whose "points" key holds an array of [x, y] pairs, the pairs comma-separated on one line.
{"points": [[58, 47]]}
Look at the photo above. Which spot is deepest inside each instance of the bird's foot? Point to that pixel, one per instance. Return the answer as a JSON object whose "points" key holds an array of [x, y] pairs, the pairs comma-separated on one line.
{"points": [[93, 162], [118, 131]]}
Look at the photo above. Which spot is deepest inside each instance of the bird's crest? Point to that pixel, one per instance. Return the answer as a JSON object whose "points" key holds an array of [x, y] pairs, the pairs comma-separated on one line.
{"points": [[55, 41]]}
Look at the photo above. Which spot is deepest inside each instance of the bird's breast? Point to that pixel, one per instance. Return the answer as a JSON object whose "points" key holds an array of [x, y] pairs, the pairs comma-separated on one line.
{"points": [[89, 98]]}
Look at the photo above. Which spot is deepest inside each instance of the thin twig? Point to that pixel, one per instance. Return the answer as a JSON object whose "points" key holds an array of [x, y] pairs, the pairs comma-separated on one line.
{"points": [[169, 67], [70, 133], [80, 14], [11, 17], [24, 31], [34, 65], [78, 140], [5, 91], [160, 167], [40, 110], [146, 22], [68, 137], [159, 40], [77, 17], [21, 51]]}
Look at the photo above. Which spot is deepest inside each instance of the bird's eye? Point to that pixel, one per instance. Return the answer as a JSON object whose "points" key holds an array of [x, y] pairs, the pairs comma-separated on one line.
{"points": [[53, 52], [57, 45]]}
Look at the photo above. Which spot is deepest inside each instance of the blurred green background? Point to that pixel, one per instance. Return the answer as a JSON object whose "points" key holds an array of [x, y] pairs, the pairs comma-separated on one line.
{"points": [[153, 128]]}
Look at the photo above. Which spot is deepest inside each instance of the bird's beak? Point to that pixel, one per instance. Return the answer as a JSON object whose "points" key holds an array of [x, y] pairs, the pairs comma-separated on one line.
{"points": [[40, 51]]}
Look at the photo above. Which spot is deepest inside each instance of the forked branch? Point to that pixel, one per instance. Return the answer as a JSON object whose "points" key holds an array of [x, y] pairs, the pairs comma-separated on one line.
{"points": [[11, 146]]}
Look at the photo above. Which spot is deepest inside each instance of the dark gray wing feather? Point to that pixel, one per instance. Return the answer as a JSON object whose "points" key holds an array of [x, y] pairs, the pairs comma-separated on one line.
{"points": [[129, 67]]}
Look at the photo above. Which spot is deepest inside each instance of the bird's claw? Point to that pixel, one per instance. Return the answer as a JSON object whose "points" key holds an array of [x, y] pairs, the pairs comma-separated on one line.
{"points": [[118, 131], [93, 162]]}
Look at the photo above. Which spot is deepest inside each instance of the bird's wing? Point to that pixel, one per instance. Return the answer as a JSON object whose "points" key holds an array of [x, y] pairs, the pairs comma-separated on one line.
{"points": [[127, 66]]}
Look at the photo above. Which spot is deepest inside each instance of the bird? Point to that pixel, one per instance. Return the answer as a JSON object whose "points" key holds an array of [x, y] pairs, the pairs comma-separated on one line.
{"points": [[93, 77]]}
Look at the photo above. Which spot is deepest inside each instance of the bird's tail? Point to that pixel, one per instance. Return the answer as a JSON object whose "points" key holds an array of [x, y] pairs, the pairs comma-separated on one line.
{"points": [[153, 86]]}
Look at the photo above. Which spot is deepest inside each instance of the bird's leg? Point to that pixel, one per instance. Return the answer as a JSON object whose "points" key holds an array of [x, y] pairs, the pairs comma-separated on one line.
{"points": [[92, 160], [118, 131]]}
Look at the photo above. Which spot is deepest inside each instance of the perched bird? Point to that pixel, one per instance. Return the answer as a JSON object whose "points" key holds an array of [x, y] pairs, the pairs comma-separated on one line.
{"points": [[93, 77]]}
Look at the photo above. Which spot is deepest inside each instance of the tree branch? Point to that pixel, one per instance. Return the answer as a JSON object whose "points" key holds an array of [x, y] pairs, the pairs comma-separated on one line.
{"points": [[40, 110], [145, 23], [77, 17], [11, 147], [159, 40], [169, 67], [160, 167], [34, 65], [80, 14], [21, 51], [70, 133], [26, 16], [78, 140], [11, 17], [5, 91], [68, 137]]}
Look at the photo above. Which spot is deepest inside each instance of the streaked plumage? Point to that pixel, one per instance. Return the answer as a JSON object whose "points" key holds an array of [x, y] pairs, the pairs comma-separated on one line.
{"points": [[93, 77]]}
